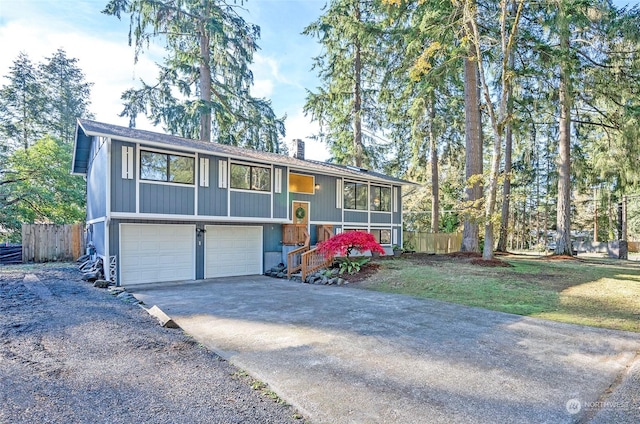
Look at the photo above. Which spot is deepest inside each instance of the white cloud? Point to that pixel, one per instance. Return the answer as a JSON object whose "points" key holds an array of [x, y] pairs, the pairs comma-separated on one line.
{"points": [[109, 65], [301, 127]]}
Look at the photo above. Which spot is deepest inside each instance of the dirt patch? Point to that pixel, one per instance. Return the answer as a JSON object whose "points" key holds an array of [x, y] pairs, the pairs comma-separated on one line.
{"points": [[560, 258], [70, 352], [367, 271], [490, 263], [473, 258], [465, 255]]}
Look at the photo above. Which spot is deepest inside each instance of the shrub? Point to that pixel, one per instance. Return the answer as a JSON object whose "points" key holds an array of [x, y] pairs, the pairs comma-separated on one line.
{"points": [[344, 243]]}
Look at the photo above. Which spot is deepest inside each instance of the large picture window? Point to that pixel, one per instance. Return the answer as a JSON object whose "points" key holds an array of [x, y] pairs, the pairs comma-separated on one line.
{"points": [[381, 199], [299, 183], [166, 168], [247, 177], [355, 196]]}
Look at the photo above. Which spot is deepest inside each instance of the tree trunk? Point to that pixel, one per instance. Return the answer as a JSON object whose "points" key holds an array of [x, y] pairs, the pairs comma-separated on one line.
{"points": [[595, 215], [205, 78], [473, 155], [563, 223], [357, 97], [506, 190], [435, 184]]}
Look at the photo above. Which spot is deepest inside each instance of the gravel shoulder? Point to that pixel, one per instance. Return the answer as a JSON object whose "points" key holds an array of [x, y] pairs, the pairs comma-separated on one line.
{"points": [[72, 353]]}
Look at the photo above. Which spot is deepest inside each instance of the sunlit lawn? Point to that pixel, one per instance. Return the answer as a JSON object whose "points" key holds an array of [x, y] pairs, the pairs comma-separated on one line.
{"points": [[601, 293]]}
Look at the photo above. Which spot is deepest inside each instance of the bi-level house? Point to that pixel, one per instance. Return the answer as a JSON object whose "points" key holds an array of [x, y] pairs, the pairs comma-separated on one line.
{"points": [[165, 208]]}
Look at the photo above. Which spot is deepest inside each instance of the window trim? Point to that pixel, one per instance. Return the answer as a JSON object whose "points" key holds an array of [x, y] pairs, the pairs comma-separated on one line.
{"points": [[313, 184], [383, 229], [251, 166], [344, 186], [204, 172], [380, 186], [127, 162], [142, 149]]}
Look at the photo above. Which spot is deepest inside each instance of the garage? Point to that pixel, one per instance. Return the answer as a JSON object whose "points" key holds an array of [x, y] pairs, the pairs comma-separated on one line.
{"points": [[232, 250], [156, 252]]}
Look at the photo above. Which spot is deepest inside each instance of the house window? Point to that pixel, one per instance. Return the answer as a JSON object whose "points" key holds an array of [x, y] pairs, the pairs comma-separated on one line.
{"points": [[355, 196], [380, 199], [382, 236], [167, 168], [301, 183], [247, 177]]}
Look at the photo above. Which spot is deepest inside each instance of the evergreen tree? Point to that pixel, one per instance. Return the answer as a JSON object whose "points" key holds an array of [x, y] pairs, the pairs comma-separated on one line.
{"points": [[67, 95], [203, 86], [22, 104], [349, 69]]}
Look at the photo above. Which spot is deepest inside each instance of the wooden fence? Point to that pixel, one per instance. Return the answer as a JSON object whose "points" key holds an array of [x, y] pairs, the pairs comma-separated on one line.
{"points": [[432, 242], [52, 242]]}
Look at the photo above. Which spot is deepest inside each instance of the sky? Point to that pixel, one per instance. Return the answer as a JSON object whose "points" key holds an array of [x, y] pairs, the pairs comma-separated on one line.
{"points": [[281, 68]]}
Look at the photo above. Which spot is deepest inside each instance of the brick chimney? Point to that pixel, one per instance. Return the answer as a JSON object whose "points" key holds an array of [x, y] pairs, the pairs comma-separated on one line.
{"points": [[299, 149]]}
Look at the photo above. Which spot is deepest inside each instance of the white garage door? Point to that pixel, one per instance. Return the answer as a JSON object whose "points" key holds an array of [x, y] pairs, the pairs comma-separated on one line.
{"points": [[156, 252], [232, 250]]}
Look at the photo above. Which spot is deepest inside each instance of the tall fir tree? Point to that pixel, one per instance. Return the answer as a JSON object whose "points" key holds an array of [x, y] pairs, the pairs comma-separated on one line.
{"points": [[203, 86], [22, 105], [349, 71], [67, 95]]}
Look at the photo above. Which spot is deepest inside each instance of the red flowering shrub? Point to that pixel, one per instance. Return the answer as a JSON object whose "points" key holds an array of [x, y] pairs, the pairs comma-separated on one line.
{"points": [[344, 243]]}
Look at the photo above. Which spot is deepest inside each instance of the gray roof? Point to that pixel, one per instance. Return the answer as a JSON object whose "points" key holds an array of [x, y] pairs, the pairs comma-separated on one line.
{"points": [[87, 129]]}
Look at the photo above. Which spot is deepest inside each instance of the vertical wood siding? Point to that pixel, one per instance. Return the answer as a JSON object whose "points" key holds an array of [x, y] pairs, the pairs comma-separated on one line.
{"points": [[212, 200], [254, 205], [123, 191], [380, 218], [323, 202], [356, 216], [166, 199], [397, 216], [280, 206], [96, 180]]}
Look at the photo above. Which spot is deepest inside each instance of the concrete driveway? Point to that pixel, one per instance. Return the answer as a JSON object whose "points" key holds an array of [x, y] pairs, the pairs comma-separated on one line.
{"points": [[341, 354]]}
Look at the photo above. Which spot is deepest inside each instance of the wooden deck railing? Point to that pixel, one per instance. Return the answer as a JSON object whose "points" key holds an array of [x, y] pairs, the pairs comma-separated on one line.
{"points": [[312, 261], [324, 232], [294, 258], [293, 234]]}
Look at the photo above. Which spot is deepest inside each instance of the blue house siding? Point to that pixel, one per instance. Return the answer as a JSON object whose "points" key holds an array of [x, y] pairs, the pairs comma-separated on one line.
{"points": [[397, 216], [323, 202], [280, 206], [250, 205], [97, 235], [356, 216], [123, 191], [96, 178], [166, 199], [380, 218], [212, 200], [272, 237]]}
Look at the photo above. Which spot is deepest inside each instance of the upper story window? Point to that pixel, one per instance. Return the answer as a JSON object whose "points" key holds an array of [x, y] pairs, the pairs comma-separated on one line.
{"points": [[166, 167], [356, 196], [381, 199], [299, 183], [249, 177]]}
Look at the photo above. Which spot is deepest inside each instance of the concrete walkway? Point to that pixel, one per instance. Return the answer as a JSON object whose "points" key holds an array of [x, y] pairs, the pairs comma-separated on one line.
{"points": [[341, 354]]}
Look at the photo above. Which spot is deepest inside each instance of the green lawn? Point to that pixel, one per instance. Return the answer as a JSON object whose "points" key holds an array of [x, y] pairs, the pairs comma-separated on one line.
{"points": [[595, 292]]}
